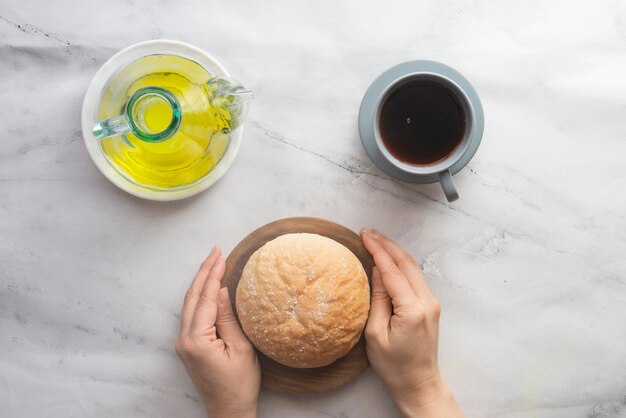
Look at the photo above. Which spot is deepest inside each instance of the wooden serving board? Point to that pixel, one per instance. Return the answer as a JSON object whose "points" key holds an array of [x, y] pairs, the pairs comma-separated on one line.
{"points": [[275, 375]]}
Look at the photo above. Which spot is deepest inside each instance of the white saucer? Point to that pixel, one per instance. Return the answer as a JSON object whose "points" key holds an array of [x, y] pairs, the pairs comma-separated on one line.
{"points": [[367, 112], [92, 98]]}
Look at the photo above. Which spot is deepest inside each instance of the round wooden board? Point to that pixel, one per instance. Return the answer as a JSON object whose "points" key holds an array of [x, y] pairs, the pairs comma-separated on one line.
{"points": [[275, 375]]}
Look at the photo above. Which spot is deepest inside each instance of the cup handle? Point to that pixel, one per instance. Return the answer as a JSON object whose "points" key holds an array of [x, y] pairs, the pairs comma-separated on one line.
{"points": [[447, 184]]}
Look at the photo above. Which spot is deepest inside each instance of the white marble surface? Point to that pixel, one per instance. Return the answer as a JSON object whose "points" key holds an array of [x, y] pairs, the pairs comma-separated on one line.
{"points": [[529, 264]]}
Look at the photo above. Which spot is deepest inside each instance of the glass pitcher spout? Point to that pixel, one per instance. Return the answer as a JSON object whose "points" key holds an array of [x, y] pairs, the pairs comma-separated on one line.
{"points": [[229, 101]]}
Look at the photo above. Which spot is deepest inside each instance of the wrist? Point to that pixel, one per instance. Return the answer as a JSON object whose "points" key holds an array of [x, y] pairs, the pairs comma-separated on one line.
{"points": [[431, 398], [251, 414], [232, 411]]}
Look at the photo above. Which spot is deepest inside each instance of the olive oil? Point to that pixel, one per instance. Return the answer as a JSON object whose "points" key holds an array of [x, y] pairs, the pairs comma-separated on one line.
{"points": [[156, 114], [196, 146]]}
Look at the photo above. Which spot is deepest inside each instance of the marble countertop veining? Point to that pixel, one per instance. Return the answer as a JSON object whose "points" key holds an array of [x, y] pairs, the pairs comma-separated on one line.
{"points": [[529, 265]]}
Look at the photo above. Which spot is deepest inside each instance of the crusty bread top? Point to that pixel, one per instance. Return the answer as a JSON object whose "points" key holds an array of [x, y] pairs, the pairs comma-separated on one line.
{"points": [[303, 300]]}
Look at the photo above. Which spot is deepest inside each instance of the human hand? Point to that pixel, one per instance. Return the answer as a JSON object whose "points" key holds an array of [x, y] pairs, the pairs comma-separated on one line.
{"points": [[402, 332], [217, 355]]}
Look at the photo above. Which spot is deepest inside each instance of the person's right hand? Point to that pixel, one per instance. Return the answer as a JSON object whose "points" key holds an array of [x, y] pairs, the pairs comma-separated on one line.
{"points": [[402, 332]]}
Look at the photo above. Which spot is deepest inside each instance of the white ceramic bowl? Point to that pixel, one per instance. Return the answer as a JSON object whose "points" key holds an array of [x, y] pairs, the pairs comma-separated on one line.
{"points": [[92, 98]]}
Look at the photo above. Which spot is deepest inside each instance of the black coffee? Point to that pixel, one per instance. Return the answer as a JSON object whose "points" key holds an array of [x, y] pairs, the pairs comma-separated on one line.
{"points": [[421, 122]]}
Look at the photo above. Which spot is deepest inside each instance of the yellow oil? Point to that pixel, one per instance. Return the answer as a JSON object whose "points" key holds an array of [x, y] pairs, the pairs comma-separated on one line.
{"points": [[157, 115], [197, 146]]}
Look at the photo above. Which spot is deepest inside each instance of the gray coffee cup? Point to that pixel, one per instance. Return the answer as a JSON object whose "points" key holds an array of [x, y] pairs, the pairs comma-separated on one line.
{"points": [[442, 170]]}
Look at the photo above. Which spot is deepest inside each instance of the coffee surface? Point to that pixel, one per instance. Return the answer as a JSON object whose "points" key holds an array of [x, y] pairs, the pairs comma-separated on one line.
{"points": [[421, 122]]}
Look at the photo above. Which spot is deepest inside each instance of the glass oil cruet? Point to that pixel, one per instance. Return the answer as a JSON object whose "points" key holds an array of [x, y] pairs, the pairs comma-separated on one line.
{"points": [[166, 120]]}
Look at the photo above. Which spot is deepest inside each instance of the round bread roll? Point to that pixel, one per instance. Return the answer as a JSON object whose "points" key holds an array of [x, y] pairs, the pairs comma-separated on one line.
{"points": [[303, 300]]}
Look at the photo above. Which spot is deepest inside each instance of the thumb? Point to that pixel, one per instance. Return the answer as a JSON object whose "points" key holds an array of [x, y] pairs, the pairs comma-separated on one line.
{"points": [[227, 326], [380, 311]]}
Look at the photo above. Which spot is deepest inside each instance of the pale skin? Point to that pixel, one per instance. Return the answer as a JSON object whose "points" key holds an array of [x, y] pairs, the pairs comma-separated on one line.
{"points": [[217, 355], [402, 335]]}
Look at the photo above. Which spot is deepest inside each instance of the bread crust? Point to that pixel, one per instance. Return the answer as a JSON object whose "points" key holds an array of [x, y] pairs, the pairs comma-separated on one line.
{"points": [[303, 300]]}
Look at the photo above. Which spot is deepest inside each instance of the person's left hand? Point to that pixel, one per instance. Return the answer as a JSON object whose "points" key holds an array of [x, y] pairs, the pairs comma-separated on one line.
{"points": [[217, 355]]}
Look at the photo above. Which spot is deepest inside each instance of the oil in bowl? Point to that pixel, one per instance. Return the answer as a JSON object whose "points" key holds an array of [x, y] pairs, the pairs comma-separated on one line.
{"points": [[200, 139]]}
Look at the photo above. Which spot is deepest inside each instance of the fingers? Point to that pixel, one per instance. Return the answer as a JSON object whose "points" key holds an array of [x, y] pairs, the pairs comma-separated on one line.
{"points": [[406, 264], [195, 290], [227, 326], [204, 317], [394, 281], [380, 310]]}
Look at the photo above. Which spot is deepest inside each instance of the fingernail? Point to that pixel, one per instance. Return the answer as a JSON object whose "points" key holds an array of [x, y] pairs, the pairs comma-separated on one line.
{"points": [[363, 231], [213, 251]]}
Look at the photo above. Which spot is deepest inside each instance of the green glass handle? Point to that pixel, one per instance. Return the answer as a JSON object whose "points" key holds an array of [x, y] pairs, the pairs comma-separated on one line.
{"points": [[113, 126]]}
